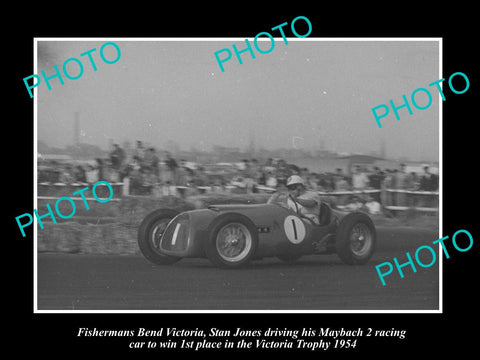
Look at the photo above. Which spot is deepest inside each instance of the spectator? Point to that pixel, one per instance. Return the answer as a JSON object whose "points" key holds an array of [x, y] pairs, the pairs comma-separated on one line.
{"points": [[139, 152], [91, 174], [262, 177], [412, 185], [412, 182], [155, 163], [359, 179], [249, 175], [110, 174], [390, 179], [271, 180], [282, 172], [136, 164], [269, 166], [189, 176], [47, 173], [388, 184], [429, 181], [152, 161], [401, 183], [171, 171], [312, 182], [255, 170], [182, 174], [100, 169], [149, 179], [200, 178], [322, 183], [79, 174], [341, 185], [376, 180], [135, 176], [303, 173], [66, 176], [117, 157]]}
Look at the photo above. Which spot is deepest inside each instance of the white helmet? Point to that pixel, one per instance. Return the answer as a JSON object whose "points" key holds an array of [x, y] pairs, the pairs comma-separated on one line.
{"points": [[295, 179]]}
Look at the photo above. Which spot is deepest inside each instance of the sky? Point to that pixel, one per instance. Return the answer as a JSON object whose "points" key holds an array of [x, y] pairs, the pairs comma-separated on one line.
{"points": [[306, 94]]}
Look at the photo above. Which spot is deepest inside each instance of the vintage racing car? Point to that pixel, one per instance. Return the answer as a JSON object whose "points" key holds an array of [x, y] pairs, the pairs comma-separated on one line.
{"points": [[233, 235]]}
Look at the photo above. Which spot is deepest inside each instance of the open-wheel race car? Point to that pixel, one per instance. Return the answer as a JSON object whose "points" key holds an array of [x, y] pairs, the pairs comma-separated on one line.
{"points": [[233, 235]]}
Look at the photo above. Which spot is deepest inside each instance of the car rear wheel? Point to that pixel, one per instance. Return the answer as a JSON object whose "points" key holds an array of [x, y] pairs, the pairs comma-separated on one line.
{"points": [[356, 239], [232, 241], [150, 233]]}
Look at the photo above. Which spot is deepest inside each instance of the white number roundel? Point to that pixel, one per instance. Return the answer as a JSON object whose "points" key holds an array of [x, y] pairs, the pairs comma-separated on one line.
{"points": [[294, 229]]}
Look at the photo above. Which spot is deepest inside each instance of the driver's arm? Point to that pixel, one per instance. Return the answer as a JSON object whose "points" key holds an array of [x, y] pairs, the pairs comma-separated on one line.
{"points": [[307, 200]]}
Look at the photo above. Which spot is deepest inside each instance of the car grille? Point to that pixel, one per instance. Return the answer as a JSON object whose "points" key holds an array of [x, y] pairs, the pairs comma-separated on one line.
{"points": [[175, 237]]}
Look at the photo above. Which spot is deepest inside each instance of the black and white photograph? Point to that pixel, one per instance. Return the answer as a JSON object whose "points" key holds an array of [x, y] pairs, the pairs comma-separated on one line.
{"points": [[255, 181], [224, 180]]}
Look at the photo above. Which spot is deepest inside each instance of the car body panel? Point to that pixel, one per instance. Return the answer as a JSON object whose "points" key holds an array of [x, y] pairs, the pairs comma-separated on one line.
{"points": [[280, 230]]}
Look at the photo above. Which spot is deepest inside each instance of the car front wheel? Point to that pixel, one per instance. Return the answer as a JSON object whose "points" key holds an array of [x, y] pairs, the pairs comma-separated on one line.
{"points": [[232, 241], [150, 233]]}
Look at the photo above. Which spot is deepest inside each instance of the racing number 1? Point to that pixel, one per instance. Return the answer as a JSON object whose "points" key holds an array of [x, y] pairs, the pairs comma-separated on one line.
{"points": [[294, 229]]}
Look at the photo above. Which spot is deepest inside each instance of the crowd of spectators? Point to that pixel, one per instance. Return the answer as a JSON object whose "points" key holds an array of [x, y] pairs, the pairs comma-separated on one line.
{"points": [[150, 172]]}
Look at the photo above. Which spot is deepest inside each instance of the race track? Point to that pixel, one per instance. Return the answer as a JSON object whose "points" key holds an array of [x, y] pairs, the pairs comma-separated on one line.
{"points": [[109, 282]]}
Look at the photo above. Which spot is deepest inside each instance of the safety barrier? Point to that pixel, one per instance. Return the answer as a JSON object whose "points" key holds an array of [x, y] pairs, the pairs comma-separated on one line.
{"points": [[390, 199], [49, 191], [425, 201]]}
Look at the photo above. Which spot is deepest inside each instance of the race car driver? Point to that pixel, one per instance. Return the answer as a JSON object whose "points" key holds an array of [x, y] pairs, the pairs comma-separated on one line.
{"points": [[303, 202]]}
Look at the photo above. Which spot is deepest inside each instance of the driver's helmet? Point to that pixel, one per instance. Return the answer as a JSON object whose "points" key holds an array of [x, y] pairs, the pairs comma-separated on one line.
{"points": [[295, 179]]}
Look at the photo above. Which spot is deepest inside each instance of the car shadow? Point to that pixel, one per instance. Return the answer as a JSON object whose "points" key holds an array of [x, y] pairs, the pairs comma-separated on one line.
{"points": [[270, 263]]}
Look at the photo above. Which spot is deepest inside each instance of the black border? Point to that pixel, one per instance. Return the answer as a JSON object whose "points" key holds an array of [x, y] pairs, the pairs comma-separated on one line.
{"points": [[54, 334]]}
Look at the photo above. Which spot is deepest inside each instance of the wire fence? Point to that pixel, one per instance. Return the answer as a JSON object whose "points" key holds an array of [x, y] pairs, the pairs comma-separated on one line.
{"points": [[376, 200]]}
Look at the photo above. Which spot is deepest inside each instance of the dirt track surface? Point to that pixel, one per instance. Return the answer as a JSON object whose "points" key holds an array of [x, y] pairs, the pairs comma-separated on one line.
{"points": [[316, 282]]}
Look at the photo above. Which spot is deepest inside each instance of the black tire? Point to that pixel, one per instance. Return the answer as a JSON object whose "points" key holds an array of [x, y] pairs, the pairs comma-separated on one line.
{"points": [[356, 239], [148, 236], [235, 251]]}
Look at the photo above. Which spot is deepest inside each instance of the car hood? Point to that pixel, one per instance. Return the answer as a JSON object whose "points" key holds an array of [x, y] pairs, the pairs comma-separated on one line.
{"points": [[235, 207]]}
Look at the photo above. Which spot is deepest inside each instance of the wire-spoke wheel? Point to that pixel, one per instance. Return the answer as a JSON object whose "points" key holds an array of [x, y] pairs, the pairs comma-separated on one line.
{"points": [[361, 239], [356, 238], [232, 241]]}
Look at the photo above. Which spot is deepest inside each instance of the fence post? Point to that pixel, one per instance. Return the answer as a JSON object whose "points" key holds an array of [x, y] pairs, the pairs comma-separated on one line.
{"points": [[126, 186]]}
